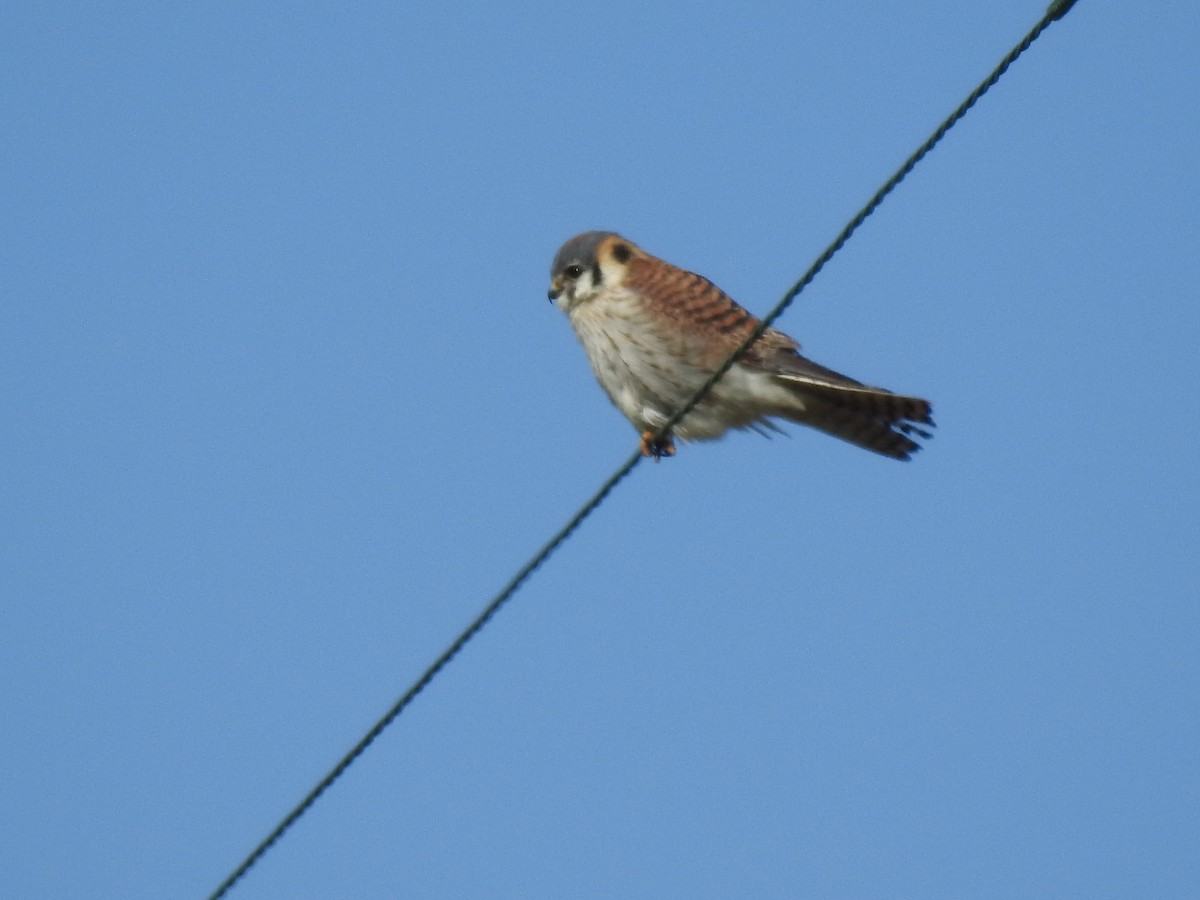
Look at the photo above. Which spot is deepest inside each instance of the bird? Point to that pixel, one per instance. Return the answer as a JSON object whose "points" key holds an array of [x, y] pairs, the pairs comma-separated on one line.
{"points": [[654, 333]]}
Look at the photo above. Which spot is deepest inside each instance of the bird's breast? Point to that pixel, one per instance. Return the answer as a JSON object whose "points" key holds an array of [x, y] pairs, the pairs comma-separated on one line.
{"points": [[639, 360]]}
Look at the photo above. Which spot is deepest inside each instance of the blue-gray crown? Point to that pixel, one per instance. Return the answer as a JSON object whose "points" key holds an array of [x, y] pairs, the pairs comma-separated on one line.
{"points": [[580, 249]]}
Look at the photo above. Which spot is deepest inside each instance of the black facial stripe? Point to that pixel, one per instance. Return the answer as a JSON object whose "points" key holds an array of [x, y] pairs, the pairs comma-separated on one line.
{"points": [[597, 276]]}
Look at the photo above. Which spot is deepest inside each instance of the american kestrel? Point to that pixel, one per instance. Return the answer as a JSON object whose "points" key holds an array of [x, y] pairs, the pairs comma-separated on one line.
{"points": [[654, 333]]}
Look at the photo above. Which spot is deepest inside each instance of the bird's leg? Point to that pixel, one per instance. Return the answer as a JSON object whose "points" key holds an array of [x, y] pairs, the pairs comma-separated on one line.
{"points": [[657, 448]]}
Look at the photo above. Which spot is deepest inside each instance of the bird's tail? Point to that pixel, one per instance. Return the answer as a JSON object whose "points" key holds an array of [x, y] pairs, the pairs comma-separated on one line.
{"points": [[878, 420]]}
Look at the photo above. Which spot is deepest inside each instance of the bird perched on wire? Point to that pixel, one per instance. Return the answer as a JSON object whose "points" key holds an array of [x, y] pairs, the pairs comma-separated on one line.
{"points": [[654, 333]]}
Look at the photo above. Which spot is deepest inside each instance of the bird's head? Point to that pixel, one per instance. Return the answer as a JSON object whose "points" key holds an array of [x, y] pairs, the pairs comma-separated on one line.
{"points": [[588, 263]]}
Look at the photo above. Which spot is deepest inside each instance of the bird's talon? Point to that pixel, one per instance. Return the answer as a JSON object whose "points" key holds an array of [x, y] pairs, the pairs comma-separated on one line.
{"points": [[656, 449]]}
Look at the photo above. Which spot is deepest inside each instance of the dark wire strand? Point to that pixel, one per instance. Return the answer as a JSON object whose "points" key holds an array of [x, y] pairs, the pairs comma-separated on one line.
{"points": [[1057, 10], [438, 664]]}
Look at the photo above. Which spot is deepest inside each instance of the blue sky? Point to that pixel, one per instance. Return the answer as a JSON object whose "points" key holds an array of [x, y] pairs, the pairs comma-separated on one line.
{"points": [[284, 404]]}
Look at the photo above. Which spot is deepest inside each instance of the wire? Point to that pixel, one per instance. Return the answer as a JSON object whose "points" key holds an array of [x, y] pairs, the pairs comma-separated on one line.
{"points": [[440, 663], [1057, 10]]}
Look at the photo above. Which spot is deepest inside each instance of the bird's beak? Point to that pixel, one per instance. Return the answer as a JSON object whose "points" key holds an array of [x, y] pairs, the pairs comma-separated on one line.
{"points": [[555, 290]]}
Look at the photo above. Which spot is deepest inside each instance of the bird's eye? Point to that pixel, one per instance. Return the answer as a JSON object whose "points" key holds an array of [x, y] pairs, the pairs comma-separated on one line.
{"points": [[573, 271]]}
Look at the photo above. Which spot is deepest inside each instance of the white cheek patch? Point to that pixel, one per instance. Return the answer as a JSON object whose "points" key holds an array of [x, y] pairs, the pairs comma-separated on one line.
{"points": [[576, 292]]}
